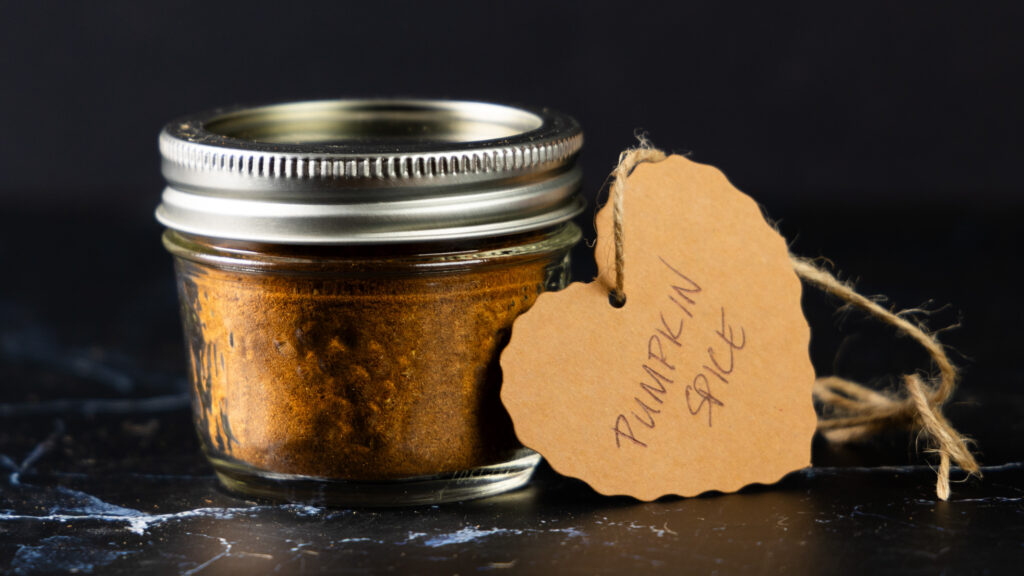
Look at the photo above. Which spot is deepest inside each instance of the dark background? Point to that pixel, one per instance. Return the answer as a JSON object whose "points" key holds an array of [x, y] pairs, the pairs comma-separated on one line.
{"points": [[853, 102], [883, 135]]}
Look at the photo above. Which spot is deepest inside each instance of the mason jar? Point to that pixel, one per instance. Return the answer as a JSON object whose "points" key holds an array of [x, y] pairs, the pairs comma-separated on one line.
{"points": [[348, 272]]}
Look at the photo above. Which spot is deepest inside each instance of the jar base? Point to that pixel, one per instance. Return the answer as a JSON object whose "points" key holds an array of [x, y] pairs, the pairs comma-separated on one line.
{"points": [[469, 484]]}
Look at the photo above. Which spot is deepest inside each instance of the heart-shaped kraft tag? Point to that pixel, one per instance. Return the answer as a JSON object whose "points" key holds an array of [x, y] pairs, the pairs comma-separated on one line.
{"points": [[701, 380]]}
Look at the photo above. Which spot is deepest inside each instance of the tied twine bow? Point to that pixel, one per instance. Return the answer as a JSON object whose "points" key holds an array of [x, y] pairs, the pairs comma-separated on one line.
{"points": [[855, 411]]}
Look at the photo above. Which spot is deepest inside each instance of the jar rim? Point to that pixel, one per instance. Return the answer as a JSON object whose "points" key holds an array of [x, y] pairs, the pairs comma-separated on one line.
{"points": [[356, 260], [364, 126], [369, 171]]}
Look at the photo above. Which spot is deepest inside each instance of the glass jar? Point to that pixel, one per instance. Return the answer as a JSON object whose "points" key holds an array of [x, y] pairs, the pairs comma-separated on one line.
{"points": [[349, 272]]}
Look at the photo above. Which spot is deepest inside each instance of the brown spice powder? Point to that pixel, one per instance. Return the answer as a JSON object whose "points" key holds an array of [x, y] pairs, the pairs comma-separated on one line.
{"points": [[351, 376]]}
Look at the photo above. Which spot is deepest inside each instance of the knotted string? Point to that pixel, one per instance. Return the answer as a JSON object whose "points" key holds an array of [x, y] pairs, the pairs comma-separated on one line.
{"points": [[852, 411], [859, 411]]}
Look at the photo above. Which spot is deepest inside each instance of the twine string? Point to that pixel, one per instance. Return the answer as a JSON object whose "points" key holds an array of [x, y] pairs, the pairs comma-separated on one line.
{"points": [[628, 160], [851, 411], [858, 411]]}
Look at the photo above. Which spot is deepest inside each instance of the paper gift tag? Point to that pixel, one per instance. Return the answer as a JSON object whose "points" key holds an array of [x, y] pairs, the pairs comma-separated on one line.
{"points": [[702, 380]]}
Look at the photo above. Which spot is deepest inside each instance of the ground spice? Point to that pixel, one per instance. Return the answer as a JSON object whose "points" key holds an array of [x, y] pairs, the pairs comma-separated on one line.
{"points": [[355, 368]]}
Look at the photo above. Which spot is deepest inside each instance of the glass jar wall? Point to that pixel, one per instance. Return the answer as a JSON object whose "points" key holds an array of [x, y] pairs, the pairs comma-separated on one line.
{"points": [[360, 375]]}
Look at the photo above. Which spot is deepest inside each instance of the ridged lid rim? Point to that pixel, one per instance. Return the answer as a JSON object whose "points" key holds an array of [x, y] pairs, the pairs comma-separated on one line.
{"points": [[190, 144], [369, 171]]}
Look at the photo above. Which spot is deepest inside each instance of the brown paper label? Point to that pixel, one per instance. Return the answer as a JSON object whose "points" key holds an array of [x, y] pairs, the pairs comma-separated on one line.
{"points": [[702, 381]]}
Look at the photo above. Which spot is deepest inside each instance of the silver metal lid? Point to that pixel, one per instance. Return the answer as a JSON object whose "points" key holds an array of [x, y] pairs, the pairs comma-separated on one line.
{"points": [[369, 171]]}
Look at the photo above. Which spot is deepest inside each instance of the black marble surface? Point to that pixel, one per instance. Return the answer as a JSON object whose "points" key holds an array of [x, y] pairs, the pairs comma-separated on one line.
{"points": [[100, 471]]}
